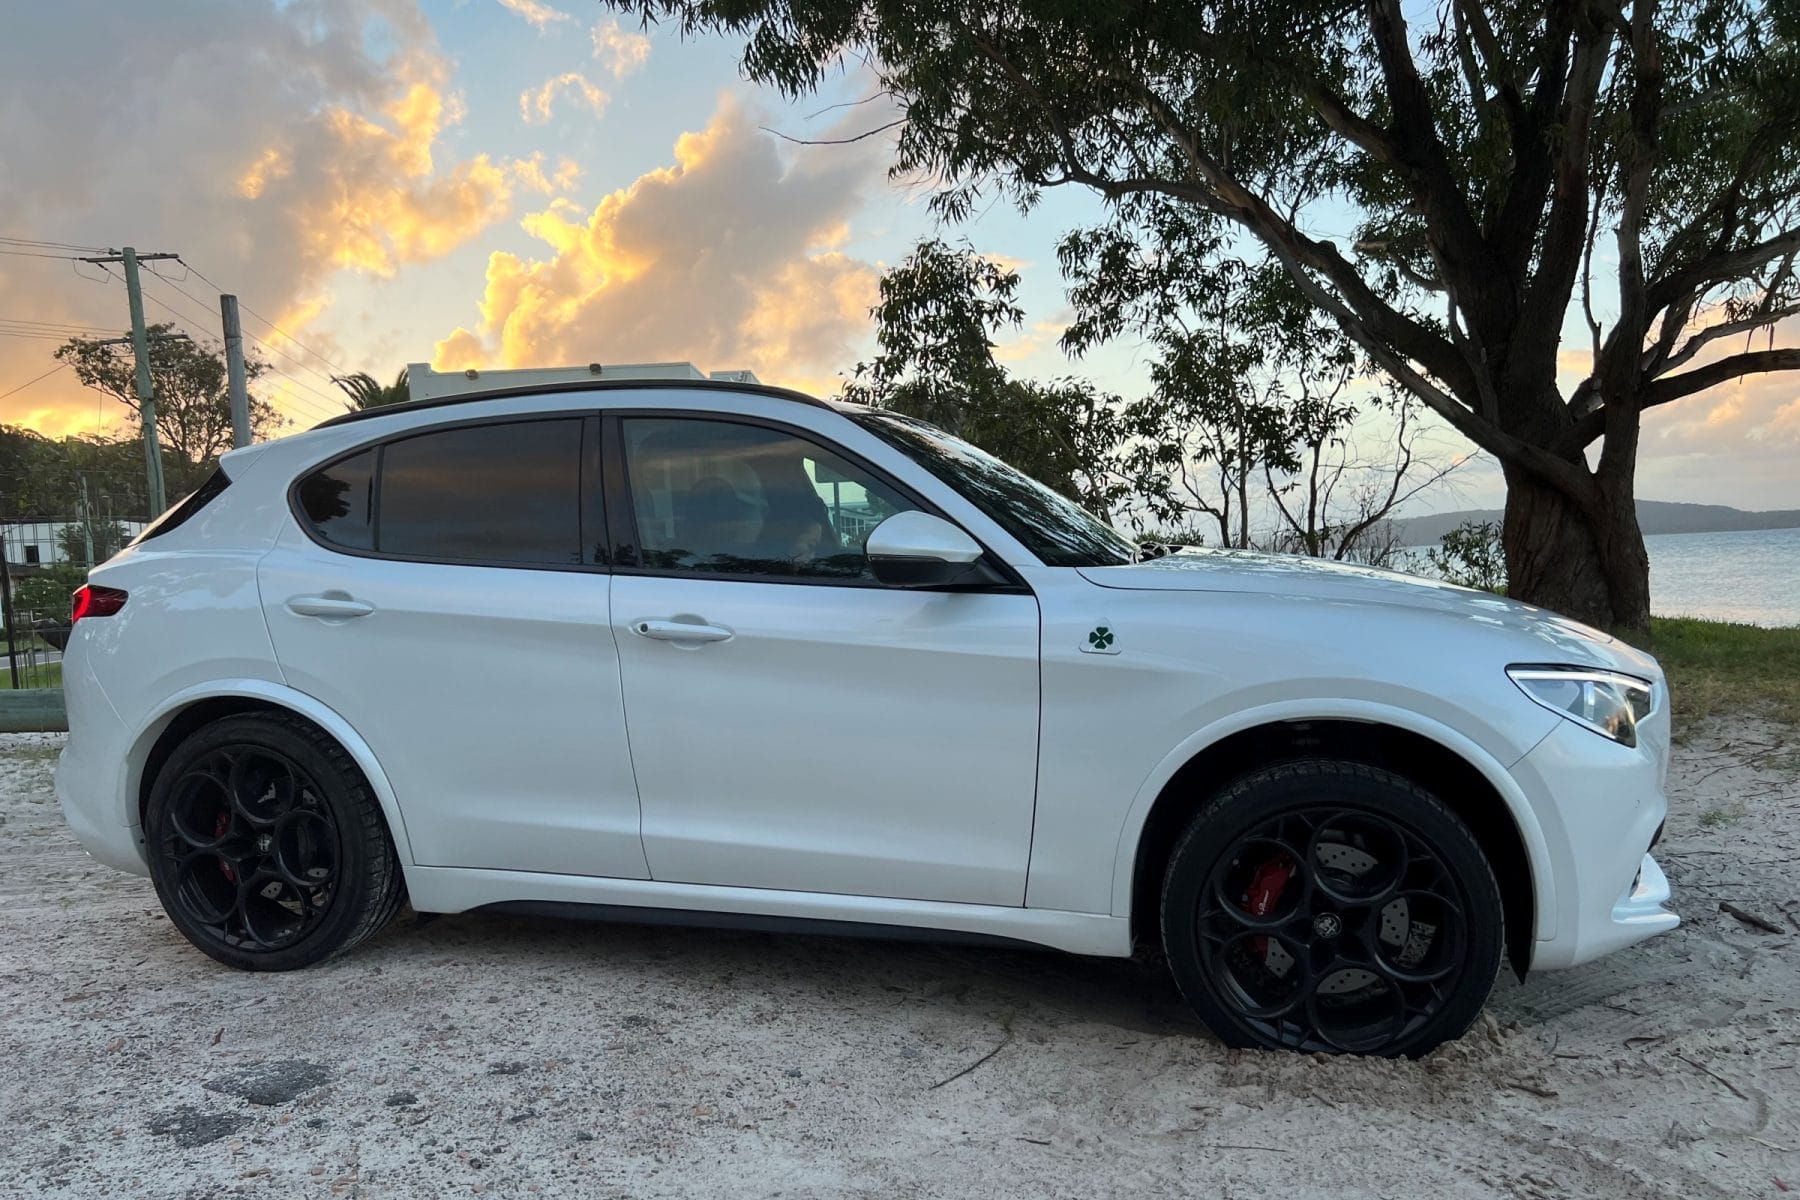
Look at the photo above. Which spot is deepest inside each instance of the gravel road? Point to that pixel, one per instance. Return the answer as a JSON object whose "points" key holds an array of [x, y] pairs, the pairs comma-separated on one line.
{"points": [[509, 1057]]}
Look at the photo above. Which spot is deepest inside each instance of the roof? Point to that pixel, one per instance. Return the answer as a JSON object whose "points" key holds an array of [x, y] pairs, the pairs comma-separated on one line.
{"points": [[596, 385]]}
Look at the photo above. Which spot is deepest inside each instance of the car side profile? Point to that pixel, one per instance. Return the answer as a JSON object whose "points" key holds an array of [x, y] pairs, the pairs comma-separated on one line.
{"points": [[721, 653]]}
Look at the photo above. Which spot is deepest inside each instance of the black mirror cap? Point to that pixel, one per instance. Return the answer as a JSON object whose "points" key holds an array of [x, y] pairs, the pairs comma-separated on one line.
{"points": [[933, 573]]}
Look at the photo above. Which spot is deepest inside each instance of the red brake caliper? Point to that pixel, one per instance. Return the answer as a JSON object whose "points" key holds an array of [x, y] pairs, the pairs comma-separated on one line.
{"points": [[219, 828], [1264, 893]]}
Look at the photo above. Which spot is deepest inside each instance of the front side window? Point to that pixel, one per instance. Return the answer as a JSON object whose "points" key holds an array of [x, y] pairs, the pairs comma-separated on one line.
{"points": [[718, 497], [499, 493], [1056, 529]]}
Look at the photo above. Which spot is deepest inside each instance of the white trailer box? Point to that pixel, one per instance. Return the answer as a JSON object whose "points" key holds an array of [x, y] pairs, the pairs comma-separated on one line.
{"points": [[427, 384]]}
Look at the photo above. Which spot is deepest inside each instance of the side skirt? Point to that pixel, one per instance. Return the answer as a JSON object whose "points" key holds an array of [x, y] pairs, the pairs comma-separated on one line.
{"points": [[751, 922], [459, 889]]}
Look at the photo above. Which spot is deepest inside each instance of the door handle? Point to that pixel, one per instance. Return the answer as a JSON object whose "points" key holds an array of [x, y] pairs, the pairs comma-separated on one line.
{"points": [[339, 606], [680, 631]]}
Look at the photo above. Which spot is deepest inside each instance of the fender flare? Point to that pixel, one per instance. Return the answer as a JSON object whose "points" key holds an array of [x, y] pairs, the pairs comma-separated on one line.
{"points": [[1531, 831], [281, 696]]}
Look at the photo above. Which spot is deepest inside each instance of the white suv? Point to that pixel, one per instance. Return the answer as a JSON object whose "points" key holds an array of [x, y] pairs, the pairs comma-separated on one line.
{"points": [[726, 654]]}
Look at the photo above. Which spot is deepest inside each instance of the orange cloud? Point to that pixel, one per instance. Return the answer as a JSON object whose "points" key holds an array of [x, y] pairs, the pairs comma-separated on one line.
{"points": [[530, 173], [330, 156], [538, 105], [619, 50], [726, 258], [387, 203], [540, 15]]}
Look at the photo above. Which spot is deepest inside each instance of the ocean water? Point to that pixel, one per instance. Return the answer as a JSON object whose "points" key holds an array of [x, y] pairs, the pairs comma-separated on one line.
{"points": [[1751, 576]]}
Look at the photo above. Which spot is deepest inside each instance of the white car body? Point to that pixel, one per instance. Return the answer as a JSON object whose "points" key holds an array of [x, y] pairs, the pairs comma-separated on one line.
{"points": [[966, 763]]}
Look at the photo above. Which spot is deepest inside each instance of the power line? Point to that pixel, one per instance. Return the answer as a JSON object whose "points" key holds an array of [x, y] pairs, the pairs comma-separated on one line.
{"points": [[29, 382], [314, 409], [18, 241], [272, 349], [335, 369], [52, 324], [320, 408]]}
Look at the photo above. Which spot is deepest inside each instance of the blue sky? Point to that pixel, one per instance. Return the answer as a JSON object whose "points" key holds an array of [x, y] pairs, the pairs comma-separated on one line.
{"points": [[513, 182]]}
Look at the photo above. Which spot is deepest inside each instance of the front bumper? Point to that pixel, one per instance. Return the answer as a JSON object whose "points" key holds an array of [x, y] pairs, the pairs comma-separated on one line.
{"points": [[1600, 806]]}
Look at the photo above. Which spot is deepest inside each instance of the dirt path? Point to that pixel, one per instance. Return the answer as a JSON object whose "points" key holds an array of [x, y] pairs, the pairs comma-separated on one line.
{"points": [[500, 1056]]}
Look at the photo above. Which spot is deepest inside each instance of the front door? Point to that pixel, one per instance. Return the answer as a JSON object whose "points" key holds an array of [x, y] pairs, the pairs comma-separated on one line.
{"points": [[795, 725], [446, 598]]}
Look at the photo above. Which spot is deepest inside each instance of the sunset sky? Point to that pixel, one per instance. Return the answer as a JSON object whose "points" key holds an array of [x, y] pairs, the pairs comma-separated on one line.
{"points": [[529, 182]]}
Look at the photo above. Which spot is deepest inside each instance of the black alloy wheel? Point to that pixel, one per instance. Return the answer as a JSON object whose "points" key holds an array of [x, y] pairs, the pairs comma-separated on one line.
{"points": [[1332, 907], [266, 847]]}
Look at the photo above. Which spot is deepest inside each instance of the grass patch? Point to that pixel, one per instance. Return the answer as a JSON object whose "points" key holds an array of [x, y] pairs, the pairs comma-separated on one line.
{"points": [[41, 675], [1716, 667]]}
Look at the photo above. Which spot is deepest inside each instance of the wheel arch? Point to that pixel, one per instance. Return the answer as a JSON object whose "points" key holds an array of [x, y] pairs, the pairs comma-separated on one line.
{"points": [[1448, 764], [190, 709]]}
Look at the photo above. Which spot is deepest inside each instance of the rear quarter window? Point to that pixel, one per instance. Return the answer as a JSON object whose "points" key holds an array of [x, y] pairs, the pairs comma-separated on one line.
{"points": [[186, 508], [339, 501]]}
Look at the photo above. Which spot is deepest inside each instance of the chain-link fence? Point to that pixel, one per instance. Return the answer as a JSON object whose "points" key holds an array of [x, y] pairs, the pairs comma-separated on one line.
{"points": [[45, 560]]}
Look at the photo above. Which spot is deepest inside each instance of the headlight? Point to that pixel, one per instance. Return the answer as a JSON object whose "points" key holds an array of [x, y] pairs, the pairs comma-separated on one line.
{"points": [[1606, 703]]}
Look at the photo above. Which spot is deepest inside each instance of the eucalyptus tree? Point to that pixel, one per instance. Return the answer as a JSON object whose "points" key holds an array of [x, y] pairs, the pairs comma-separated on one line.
{"points": [[1437, 179], [939, 311]]}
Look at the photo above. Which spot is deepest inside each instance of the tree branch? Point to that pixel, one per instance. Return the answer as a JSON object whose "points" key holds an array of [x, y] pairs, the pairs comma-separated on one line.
{"points": [[1713, 333], [1753, 362], [1459, 246], [1717, 268]]}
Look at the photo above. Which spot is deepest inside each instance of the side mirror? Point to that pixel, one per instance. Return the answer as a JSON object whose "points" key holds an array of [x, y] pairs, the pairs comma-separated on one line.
{"points": [[918, 550]]}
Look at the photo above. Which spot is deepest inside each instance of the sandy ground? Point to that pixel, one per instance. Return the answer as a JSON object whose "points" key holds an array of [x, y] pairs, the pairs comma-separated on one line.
{"points": [[502, 1056]]}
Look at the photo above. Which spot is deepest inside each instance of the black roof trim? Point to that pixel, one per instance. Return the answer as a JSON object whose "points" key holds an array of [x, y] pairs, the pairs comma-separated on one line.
{"points": [[584, 385]]}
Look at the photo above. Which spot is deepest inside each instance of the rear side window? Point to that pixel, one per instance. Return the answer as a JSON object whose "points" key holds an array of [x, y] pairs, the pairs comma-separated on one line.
{"points": [[498, 493], [185, 509], [486, 493], [339, 500]]}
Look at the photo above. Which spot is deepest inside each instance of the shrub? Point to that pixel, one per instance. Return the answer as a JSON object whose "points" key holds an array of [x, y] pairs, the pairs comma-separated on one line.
{"points": [[1471, 554]]}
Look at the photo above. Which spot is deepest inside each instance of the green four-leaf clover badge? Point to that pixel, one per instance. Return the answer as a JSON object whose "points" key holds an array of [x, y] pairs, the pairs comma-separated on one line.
{"points": [[1100, 640]]}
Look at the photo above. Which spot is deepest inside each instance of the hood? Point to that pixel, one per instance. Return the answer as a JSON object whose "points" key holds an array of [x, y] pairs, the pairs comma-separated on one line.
{"points": [[1295, 577]]}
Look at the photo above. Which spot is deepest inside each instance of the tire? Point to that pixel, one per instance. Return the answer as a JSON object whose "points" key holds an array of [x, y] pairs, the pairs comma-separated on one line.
{"points": [[267, 849], [1331, 907]]}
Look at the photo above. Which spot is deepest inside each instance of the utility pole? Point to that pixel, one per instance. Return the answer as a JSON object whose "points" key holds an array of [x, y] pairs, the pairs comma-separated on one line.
{"points": [[87, 522], [234, 370], [146, 392], [6, 610]]}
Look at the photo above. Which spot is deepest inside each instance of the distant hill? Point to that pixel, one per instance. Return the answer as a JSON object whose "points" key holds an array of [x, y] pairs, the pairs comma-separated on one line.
{"points": [[1654, 516]]}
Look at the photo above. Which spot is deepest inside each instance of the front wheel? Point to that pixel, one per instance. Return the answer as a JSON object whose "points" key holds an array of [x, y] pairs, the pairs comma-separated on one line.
{"points": [[267, 849], [1334, 907]]}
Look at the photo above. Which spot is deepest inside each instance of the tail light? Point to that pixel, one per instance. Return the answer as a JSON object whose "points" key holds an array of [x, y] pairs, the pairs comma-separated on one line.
{"points": [[93, 601]]}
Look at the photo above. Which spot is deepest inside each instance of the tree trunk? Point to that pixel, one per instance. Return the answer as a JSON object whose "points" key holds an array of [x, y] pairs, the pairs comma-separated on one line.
{"points": [[1590, 566]]}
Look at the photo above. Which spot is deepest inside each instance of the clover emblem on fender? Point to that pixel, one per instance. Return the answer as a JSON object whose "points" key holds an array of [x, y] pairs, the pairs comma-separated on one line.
{"points": [[1100, 641]]}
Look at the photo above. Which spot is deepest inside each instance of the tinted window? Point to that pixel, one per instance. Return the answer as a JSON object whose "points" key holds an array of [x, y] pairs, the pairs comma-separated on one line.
{"points": [[186, 507], [484, 493], [719, 497], [1060, 532], [339, 501]]}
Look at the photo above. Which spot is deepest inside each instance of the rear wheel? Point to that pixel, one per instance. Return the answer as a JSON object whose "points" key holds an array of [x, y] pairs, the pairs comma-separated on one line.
{"points": [[266, 847], [1334, 907]]}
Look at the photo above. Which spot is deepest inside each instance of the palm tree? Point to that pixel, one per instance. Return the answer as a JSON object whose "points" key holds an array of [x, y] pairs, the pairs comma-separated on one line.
{"points": [[365, 392]]}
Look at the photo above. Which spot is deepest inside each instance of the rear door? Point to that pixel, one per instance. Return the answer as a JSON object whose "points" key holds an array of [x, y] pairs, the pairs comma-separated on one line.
{"points": [[446, 593]]}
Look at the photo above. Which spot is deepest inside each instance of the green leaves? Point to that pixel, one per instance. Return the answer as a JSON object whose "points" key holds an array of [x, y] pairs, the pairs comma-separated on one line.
{"points": [[193, 407], [365, 392], [939, 312]]}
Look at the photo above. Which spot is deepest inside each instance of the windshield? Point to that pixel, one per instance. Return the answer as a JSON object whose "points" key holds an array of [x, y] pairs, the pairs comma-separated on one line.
{"points": [[1054, 528]]}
